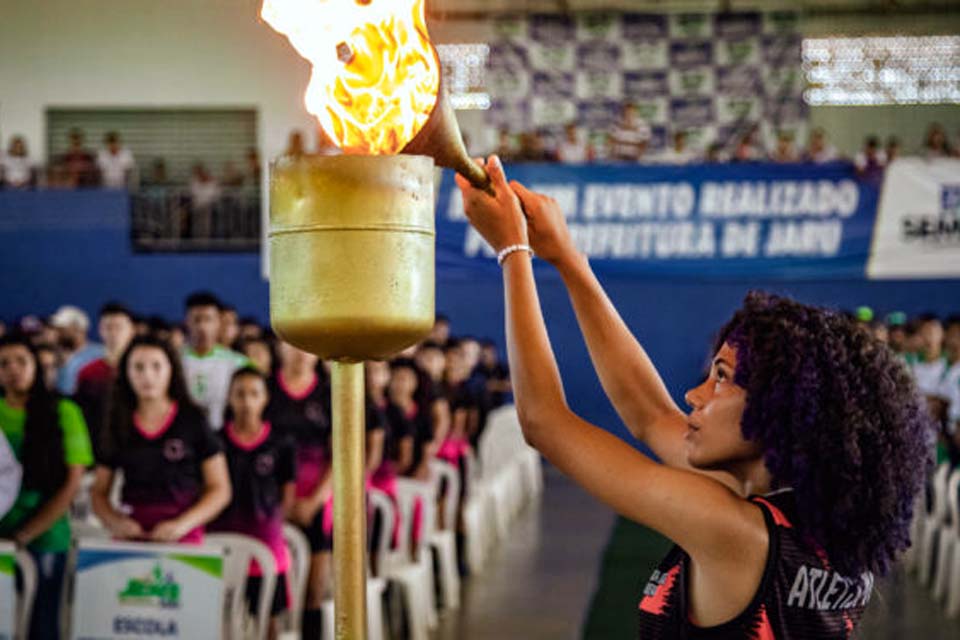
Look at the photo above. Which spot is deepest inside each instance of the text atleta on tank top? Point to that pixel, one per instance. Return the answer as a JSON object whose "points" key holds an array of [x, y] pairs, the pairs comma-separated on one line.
{"points": [[799, 596]]}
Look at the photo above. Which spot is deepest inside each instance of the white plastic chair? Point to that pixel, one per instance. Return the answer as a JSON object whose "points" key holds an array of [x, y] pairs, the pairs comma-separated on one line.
{"points": [[379, 501], [947, 539], [443, 540], [299, 549], [931, 524], [478, 517], [239, 550], [24, 605], [375, 589], [413, 574]]}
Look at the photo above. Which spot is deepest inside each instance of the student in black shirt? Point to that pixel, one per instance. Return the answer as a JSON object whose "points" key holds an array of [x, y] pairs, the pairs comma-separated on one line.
{"points": [[299, 409], [175, 473], [263, 474]]}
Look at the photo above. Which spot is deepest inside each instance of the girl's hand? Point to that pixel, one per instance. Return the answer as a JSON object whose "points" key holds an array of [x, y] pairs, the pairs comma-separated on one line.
{"points": [[498, 219], [169, 531], [303, 513], [546, 225], [127, 529]]}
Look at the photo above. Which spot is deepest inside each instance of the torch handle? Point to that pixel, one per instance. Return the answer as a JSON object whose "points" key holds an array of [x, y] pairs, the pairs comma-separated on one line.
{"points": [[477, 176], [349, 508]]}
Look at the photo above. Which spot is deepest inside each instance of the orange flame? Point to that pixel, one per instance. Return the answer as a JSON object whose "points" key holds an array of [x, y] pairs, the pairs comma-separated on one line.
{"points": [[375, 75]]}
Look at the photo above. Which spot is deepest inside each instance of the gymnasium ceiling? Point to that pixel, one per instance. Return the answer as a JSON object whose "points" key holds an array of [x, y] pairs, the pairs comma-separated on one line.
{"points": [[451, 8]]}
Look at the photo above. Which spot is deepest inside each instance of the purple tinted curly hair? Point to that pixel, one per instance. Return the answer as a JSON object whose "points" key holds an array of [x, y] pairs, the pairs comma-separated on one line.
{"points": [[840, 421]]}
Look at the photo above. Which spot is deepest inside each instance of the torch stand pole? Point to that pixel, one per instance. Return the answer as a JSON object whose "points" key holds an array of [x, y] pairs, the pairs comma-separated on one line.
{"points": [[349, 506]]}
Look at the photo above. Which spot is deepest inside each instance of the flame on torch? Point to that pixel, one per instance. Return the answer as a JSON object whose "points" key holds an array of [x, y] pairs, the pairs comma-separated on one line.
{"points": [[375, 78]]}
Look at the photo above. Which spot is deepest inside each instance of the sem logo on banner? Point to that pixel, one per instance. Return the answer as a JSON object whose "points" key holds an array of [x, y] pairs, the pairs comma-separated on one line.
{"points": [[698, 221], [918, 225]]}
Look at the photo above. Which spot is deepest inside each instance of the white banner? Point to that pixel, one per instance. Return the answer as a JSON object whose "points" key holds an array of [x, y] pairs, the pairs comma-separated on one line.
{"points": [[917, 231], [8, 594], [131, 591]]}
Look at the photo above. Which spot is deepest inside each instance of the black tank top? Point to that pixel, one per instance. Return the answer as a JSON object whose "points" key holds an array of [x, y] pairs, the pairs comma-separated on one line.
{"points": [[799, 596]]}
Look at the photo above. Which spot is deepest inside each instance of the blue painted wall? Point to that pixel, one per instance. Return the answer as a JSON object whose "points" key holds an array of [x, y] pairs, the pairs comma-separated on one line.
{"points": [[74, 247]]}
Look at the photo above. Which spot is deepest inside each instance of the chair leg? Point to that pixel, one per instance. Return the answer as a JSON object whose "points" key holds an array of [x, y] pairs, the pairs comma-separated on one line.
{"points": [[953, 588], [942, 570]]}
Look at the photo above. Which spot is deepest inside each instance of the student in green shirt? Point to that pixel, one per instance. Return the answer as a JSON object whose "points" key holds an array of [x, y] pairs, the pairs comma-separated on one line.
{"points": [[49, 438]]}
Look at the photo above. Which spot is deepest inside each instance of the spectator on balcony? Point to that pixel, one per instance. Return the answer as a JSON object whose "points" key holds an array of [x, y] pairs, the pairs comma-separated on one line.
{"points": [[784, 151], [15, 169], [158, 175], [295, 147], [505, 145], [72, 325], [79, 168], [893, 148], [871, 162], [533, 148], [205, 191], [748, 148], [819, 151], [232, 176], [116, 164], [679, 152], [573, 149], [630, 137], [253, 167], [714, 154], [936, 144]]}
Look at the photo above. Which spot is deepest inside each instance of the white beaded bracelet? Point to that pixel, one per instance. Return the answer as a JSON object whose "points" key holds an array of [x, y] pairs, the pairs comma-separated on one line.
{"points": [[506, 251]]}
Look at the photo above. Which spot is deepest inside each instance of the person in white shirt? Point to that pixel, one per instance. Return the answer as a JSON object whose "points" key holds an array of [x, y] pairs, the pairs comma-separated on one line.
{"points": [[930, 367], [679, 152], [819, 150], [950, 384], [207, 365], [15, 168], [573, 148], [10, 474], [116, 163], [629, 139]]}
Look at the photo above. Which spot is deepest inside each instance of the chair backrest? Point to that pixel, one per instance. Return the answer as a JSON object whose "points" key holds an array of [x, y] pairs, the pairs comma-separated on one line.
{"points": [[24, 606], [299, 548], [938, 509], [501, 440], [239, 550], [409, 494], [381, 502], [446, 473], [953, 501]]}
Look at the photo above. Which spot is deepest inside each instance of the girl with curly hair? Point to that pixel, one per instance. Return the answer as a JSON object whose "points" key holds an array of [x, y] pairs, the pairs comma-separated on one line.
{"points": [[786, 488]]}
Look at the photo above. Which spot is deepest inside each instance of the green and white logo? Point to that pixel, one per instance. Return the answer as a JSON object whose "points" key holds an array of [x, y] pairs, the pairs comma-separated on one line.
{"points": [[156, 589]]}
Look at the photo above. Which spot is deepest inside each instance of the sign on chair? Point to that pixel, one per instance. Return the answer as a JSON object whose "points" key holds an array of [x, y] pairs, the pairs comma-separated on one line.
{"points": [[133, 590], [8, 594]]}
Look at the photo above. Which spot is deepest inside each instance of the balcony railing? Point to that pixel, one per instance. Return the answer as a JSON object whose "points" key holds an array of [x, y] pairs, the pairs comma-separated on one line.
{"points": [[170, 219]]}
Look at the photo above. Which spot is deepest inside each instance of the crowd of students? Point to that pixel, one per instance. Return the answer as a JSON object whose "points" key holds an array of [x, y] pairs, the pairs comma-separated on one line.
{"points": [[931, 347], [215, 425]]}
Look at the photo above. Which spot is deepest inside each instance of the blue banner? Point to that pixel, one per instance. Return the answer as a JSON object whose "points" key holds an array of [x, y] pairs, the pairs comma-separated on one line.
{"points": [[766, 221]]}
